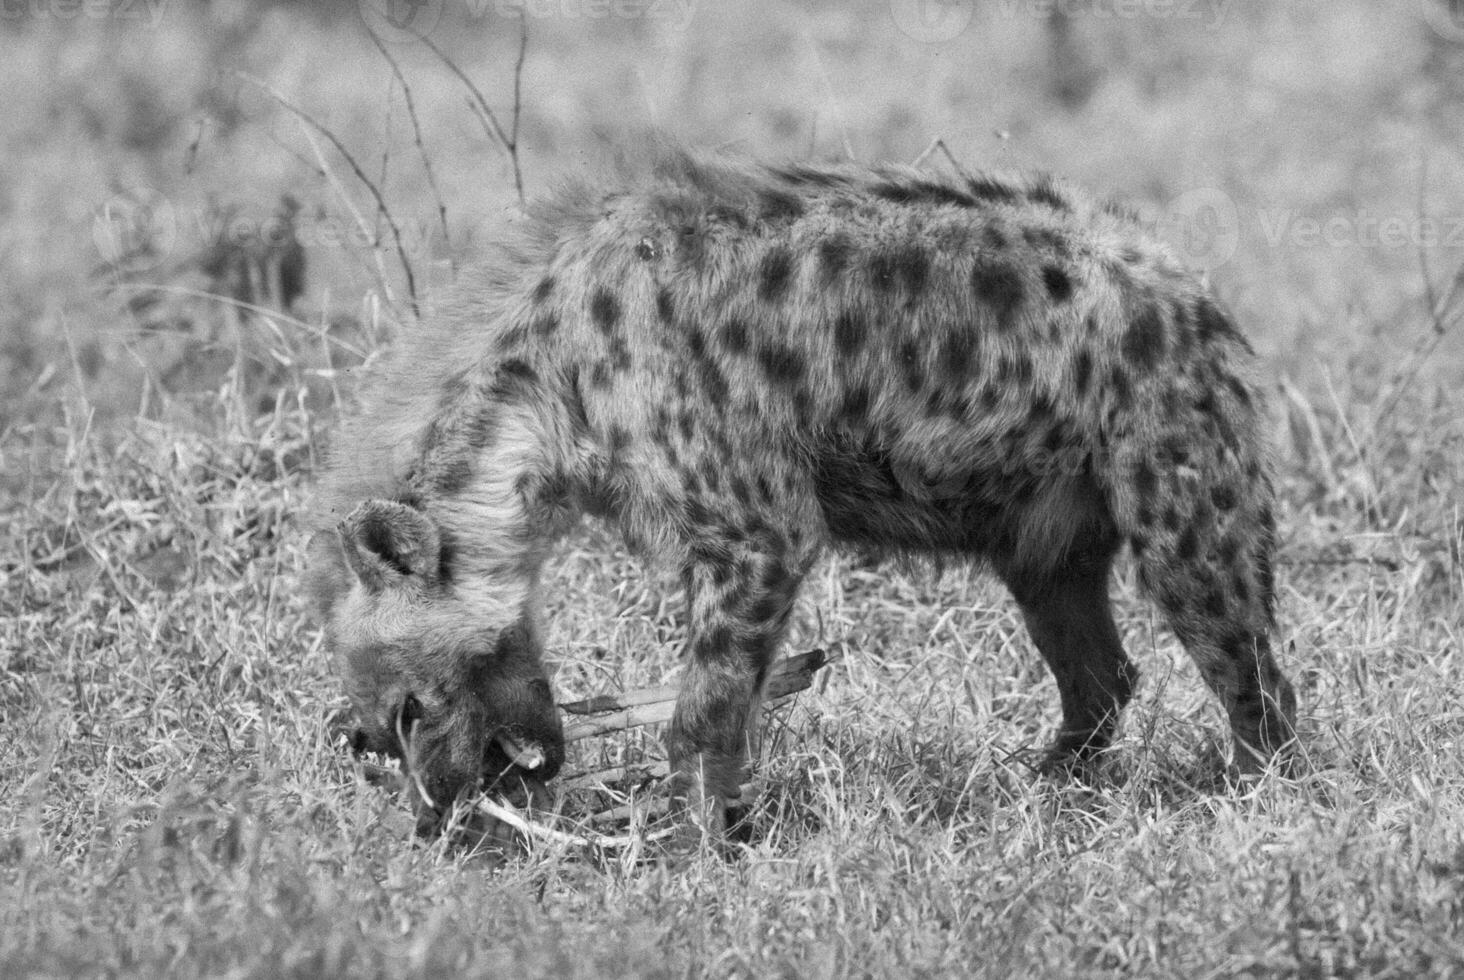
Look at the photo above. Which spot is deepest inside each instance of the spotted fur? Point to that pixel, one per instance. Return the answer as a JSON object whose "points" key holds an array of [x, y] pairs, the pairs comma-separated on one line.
{"points": [[741, 365]]}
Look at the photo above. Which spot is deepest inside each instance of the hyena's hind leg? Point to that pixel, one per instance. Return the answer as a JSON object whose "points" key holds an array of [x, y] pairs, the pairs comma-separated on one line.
{"points": [[1069, 616], [1204, 538]]}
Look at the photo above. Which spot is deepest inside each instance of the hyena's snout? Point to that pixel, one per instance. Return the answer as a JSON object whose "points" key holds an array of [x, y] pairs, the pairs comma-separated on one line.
{"points": [[524, 737], [504, 742]]}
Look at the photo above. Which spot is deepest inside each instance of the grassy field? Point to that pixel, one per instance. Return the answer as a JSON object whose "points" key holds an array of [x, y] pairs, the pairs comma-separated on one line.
{"points": [[174, 800]]}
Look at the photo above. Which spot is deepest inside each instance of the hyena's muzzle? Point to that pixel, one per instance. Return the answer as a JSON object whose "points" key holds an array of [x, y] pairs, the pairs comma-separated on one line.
{"points": [[508, 742]]}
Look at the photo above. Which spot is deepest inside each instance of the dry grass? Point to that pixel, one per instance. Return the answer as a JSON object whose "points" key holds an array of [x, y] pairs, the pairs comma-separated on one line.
{"points": [[175, 800]]}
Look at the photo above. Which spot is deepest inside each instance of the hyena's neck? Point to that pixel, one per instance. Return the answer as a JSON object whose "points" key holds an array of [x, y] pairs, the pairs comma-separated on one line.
{"points": [[494, 463]]}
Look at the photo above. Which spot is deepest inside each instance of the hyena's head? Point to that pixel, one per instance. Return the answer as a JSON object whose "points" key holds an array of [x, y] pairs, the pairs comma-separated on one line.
{"points": [[442, 675]]}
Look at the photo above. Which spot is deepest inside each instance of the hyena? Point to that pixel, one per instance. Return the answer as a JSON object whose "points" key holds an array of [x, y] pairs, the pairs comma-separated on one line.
{"points": [[739, 365]]}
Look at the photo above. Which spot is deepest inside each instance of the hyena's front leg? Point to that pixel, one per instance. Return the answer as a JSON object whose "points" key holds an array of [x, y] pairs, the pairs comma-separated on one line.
{"points": [[739, 600]]}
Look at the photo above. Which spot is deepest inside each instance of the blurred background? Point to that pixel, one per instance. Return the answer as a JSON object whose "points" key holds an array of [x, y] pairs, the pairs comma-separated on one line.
{"points": [[167, 166]]}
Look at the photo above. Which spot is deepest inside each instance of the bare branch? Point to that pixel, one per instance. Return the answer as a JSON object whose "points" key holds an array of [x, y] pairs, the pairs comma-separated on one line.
{"points": [[417, 136], [340, 148]]}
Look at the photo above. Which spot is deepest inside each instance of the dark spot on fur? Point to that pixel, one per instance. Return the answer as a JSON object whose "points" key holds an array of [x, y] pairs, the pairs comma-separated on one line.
{"points": [[775, 275], [513, 338], [1215, 603], [904, 268], [1045, 191], [923, 192], [855, 405], [849, 330], [546, 324], [711, 475], [1240, 585], [544, 289], [619, 354], [958, 354], [1144, 341], [782, 364], [834, 255], [1082, 372], [991, 190], [515, 371], [665, 305], [1016, 369], [994, 238], [619, 439], [600, 374], [1238, 390], [697, 343], [1146, 481], [1059, 284], [605, 311], [1189, 544], [1046, 239], [1171, 518], [729, 215], [1120, 388], [910, 366], [1223, 496], [733, 337], [1229, 548], [999, 285], [453, 476], [779, 205]]}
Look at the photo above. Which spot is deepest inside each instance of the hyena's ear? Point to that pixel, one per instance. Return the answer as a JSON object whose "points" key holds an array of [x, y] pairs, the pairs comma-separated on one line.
{"points": [[389, 544]]}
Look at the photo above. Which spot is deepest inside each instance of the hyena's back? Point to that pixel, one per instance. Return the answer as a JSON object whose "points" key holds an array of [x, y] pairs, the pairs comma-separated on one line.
{"points": [[971, 366], [738, 364]]}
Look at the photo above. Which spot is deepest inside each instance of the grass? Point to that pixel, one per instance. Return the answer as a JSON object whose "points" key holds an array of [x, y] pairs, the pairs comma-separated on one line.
{"points": [[176, 802]]}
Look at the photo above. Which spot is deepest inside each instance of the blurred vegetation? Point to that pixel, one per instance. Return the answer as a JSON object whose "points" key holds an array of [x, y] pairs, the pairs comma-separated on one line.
{"points": [[191, 274]]}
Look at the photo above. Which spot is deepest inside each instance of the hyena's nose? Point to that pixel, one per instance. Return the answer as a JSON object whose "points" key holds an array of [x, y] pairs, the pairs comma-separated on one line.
{"points": [[360, 742]]}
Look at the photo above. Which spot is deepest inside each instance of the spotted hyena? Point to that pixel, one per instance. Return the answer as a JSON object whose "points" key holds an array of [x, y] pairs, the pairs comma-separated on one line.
{"points": [[739, 365]]}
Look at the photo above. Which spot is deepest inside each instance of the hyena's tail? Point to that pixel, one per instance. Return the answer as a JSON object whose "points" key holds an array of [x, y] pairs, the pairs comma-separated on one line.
{"points": [[1189, 486]]}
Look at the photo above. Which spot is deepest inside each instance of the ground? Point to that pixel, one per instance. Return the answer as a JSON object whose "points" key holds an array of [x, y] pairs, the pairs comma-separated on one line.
{"points": [[176, 799]]}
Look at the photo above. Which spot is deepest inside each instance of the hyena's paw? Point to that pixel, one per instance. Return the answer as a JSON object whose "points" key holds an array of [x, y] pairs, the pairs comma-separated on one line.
{"points": [[705, 792], [1073, 755], [1250, 763]]}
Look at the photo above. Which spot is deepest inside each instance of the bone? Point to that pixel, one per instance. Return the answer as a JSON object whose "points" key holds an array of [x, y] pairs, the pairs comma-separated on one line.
{"points": [[655, 705], [499, 810], [607, 714]]}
